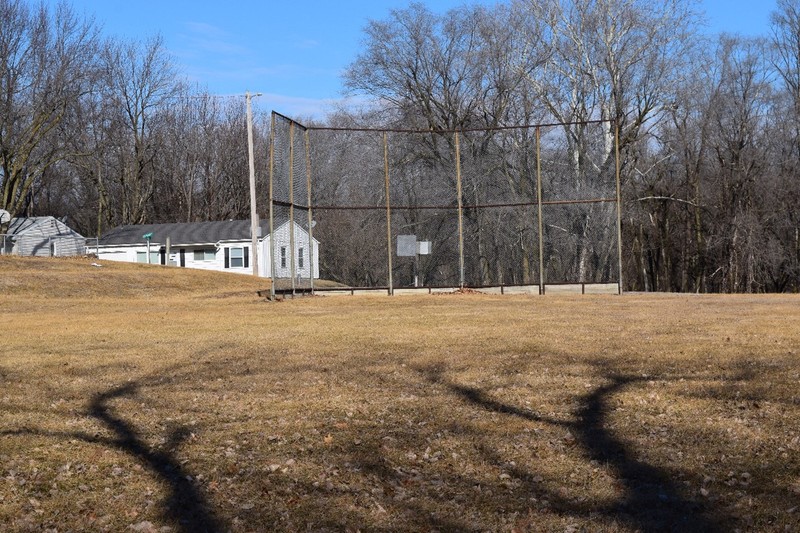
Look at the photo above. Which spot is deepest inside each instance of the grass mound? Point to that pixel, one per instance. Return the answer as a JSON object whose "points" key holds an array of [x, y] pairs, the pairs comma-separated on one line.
{"points": [[83, 277]]}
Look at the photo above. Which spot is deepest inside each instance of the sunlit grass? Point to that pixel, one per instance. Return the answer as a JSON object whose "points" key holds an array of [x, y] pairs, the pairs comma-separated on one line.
{"points": [[165, 398]]}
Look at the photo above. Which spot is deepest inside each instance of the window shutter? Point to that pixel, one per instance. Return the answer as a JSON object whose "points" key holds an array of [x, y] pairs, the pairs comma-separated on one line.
{"points": [[246, 257], [227, 257]]}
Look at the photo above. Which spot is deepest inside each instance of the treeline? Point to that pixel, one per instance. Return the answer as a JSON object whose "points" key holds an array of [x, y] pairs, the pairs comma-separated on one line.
{"points": [[105, 132], [709, 128]]}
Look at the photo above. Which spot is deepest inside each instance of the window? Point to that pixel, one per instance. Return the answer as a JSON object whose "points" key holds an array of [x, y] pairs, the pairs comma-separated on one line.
{"points": [[237, 257], [141, 257], [283, 257], [300, 258], [204, 255]]}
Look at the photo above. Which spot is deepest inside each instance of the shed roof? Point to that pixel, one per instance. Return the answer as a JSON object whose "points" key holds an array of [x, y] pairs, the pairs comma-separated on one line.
{"points": [[21, 225]]}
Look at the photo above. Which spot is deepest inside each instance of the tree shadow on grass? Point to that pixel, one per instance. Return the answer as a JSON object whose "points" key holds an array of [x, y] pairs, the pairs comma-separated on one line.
{"points": [[652, 500], [185, 504]]}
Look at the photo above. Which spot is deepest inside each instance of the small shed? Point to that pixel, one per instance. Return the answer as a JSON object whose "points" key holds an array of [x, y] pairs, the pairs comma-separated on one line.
{"points": [[41, 237]]}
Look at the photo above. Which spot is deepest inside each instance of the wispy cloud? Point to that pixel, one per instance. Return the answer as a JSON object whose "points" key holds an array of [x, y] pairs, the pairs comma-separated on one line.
{"points": [[302, 108], [208, 30], [284, 68], [201, 39], [240, 71]]}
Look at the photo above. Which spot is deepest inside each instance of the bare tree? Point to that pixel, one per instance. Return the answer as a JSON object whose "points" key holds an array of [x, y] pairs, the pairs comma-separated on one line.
{"points": [[189, 126], [614, 60], [669, 209], [223, 192], [47, 64], [786, 61], [786, 45], [741, 102], [446, 72], [609, 59], [139, 83]]}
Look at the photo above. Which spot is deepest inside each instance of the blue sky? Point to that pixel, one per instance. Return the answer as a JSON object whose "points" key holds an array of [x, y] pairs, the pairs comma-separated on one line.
{"points": [[294, 51]]}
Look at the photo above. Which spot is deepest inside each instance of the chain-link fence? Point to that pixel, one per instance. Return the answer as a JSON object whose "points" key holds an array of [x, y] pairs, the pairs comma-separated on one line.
{"points": [[523, 206]]}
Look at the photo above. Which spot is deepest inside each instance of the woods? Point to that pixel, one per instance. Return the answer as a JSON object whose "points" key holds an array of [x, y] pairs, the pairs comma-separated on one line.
{"points": [[105, 132]]}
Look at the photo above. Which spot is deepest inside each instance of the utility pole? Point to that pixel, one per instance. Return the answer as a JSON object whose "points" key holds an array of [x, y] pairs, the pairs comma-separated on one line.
{"points": [[254, 225]]}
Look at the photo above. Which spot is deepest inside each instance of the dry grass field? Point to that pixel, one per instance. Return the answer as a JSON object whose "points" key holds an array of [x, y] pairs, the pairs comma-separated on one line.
{"points": [[136, 398]]}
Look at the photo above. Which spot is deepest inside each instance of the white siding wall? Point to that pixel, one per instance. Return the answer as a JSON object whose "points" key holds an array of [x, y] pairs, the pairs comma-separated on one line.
{"points": [[215, 264], [48, 237], [282, 263], [128, 254], [69, 246], [125, 254]]}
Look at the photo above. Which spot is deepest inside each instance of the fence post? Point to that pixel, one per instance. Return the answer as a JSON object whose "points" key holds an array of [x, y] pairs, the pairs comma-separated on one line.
{"points": [[310, 215], [291, 207], [388, 210], [619, 204], [539, 206], [271, 208], [460, 212]]}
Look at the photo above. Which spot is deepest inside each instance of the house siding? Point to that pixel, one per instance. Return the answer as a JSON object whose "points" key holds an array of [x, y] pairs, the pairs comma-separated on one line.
{"points": [[44, 237], [301, 240], [183, 254]]}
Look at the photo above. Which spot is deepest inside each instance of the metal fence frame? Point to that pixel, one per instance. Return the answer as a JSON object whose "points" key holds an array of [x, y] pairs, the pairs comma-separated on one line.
{"points": [[286, 197]]}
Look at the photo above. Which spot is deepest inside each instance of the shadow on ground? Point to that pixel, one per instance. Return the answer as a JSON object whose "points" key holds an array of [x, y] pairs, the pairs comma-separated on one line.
{"points": [[652, 500]]}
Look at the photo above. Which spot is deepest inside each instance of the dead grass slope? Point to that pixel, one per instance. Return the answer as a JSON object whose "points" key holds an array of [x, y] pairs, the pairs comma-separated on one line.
{"points": [[82, 277]]}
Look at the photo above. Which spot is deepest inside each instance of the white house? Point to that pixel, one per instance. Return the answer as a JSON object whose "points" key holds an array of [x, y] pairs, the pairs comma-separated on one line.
{"points": [[224, 246], [41, 237]]}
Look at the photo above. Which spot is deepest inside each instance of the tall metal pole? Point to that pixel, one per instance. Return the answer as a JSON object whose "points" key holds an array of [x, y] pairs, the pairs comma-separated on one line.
{"points": [[539, 205], [388, 210], [460, 213], [254, 226], [619, 204], [292, 251], [271, 208], [310, 214]]}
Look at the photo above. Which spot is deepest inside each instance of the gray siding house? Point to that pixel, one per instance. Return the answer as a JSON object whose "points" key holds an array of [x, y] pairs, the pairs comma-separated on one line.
{"points": [[41, 237]]}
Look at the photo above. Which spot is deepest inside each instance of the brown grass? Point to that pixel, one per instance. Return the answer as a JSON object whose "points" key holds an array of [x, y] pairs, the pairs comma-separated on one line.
{"points": [[176, 400]]}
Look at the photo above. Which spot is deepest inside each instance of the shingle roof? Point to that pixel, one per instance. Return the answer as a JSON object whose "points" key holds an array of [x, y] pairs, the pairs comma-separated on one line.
{"points": [[184, 233], [20, 225]]}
